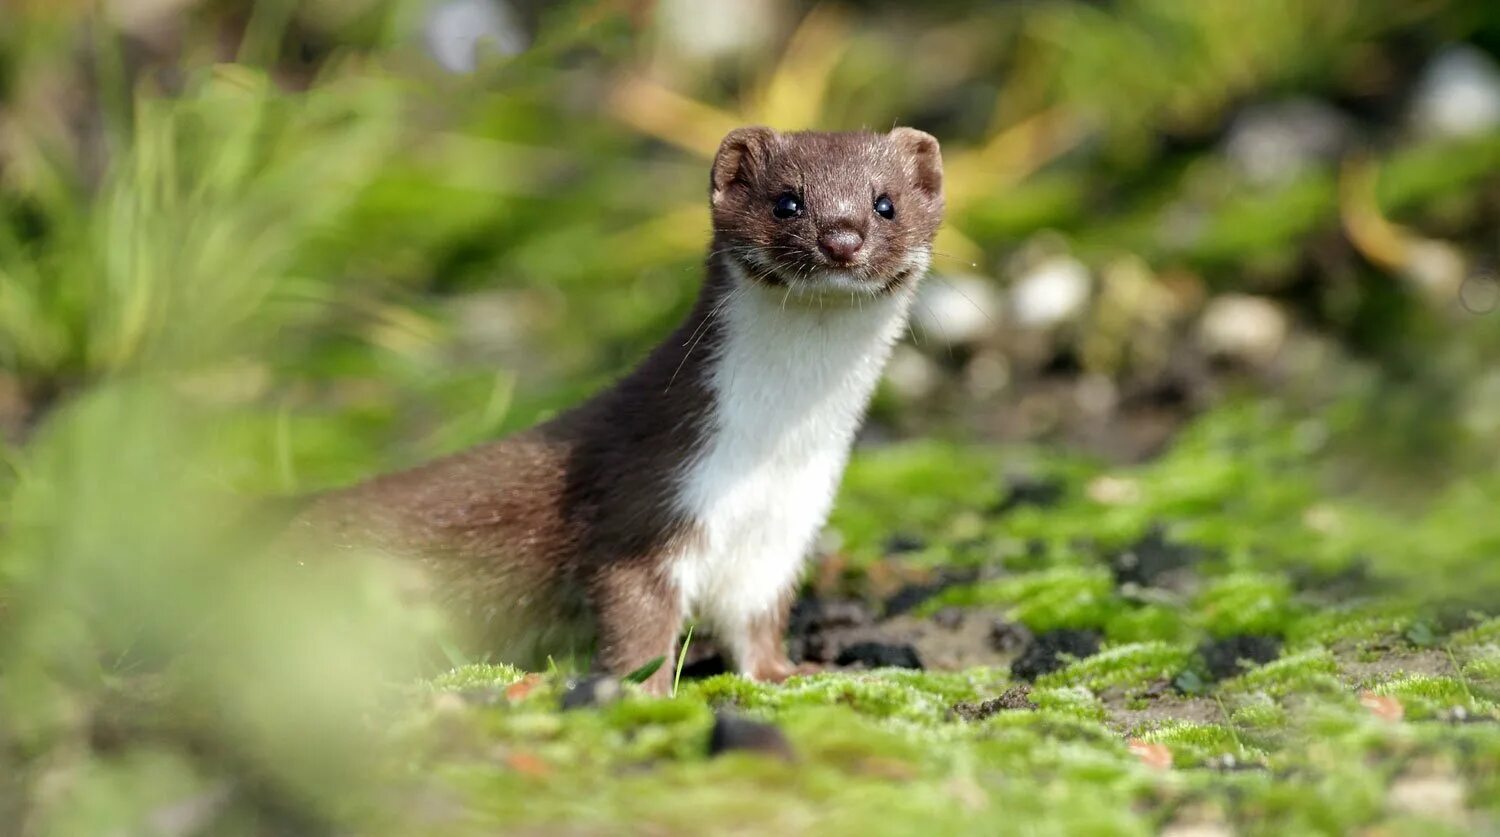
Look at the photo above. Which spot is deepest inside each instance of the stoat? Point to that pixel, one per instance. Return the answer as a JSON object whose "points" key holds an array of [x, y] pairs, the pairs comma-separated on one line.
{"points": [[695, 486]]}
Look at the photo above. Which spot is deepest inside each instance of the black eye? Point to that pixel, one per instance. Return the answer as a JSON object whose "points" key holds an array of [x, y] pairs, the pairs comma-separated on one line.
{"points": [[787, 206], [884, 208]]}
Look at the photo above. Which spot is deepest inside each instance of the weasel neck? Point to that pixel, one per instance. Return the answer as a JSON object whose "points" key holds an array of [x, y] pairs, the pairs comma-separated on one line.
{"points": [[792, 372]]}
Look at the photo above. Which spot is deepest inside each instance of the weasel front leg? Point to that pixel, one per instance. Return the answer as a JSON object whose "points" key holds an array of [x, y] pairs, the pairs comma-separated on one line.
{"points": [[758, 644], [638, 617]]}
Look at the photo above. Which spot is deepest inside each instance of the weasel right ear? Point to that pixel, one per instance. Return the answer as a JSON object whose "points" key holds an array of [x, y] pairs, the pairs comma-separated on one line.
{"points": [[740, 154], [926, 159]]}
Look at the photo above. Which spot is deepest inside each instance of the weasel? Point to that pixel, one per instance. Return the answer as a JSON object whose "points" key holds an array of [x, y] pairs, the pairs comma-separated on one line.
{"points": [[694, 486]]}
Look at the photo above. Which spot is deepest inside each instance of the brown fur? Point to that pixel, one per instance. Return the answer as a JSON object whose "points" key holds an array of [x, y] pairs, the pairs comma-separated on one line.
{"points": [[561, 533]]}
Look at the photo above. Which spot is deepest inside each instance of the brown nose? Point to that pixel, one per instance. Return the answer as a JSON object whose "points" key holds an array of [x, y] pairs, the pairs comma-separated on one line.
{"points": [[841, 245]]}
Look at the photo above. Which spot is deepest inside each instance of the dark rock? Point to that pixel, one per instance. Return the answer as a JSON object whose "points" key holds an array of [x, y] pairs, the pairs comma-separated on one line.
{"points": [[901, 542], [1014, 698], [733, 733], [812, 614], [709, 666], [1030, 491], [1225, 658], [818, 628], [593, 690], [1007, 637], [949, 618], [879, 655], [1151, 558], [911, 595], [1051, 650]]}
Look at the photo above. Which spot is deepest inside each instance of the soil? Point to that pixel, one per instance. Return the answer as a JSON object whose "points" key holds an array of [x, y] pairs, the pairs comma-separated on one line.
{"points": [[1231, 656], [1053, 650], [1012, 699]]}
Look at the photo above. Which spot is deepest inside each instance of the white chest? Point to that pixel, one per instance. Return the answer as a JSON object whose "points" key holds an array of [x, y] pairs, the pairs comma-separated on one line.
{"points": [[791, 385]]}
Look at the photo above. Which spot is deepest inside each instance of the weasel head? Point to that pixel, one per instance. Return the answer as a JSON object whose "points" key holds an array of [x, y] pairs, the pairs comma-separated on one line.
{"points": [[814, 212]]}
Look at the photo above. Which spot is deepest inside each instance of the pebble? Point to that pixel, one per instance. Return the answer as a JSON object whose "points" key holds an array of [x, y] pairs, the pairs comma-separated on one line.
{"points": [[956, 310], [1458, 94], [1249, 329], [880, 655], [709, 29], [593, 690], [1052, 293], [1274, 142], [458, 30], [734, 733]]}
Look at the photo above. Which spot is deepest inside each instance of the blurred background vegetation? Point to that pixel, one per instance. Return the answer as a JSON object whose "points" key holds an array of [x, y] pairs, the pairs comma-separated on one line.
{"points": [[255, 249]]}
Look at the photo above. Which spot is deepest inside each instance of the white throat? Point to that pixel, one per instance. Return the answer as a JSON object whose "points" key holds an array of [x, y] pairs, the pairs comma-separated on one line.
{"points": [[791, 381]]}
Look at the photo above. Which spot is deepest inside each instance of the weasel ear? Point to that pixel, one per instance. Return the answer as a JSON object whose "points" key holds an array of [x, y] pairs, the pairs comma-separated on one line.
{"points": [[740, 155], [926, 159]]}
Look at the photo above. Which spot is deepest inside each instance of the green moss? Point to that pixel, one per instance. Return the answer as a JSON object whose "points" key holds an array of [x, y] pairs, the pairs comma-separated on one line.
{"points": [[477, 676], [1193, 744], [1310, 671], [1124, 665], [1425, 696], [1074, 702], [1146, 623], [927, 489], [891, 693], [1246, 603], [1065, 597]]}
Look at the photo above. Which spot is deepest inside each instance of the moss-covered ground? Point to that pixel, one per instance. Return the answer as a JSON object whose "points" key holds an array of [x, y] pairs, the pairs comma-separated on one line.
{"points": [[1272, 659]]}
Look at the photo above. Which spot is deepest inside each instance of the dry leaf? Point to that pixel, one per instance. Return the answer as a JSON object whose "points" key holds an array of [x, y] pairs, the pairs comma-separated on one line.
{"points": [[1382, 706], [521, 688], [1151, 753], [530, 764]]}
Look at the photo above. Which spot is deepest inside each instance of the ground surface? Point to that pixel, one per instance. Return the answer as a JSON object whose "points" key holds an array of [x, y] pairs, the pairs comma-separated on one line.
{"points": [[1183, 645]]}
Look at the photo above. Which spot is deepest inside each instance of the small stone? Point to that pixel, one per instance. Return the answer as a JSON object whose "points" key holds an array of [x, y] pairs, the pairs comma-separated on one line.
{"points": [[1052, 293], [1274, 142], [733, 733], [593, 690], [956, 310], [1249, 329], [1113, 491], [1458, 94], [1437, 268], [880, 655], [705, 30], [459, 30]]}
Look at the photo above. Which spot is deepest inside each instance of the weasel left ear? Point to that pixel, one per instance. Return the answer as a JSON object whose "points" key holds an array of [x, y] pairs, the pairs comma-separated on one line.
{"points": [[926, 159], [741, 153]]}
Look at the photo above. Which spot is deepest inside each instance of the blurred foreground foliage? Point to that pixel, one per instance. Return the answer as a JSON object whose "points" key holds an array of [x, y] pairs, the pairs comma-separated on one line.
{"points": [[257, 249]]}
